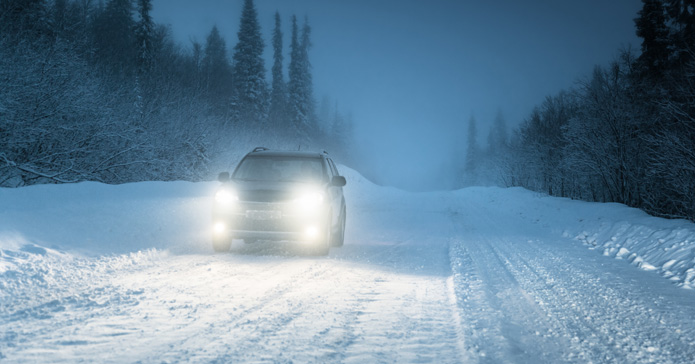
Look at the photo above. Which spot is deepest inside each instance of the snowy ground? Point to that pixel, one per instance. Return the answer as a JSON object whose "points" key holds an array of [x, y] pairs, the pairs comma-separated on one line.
{"points": [[114, 274]]}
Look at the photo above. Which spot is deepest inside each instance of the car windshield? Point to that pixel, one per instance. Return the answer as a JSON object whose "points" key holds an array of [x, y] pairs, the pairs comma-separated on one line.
{"points": [[285, 169]]}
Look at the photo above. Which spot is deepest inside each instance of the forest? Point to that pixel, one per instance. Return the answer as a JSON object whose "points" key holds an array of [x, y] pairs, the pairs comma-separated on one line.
{"points": [[96, 90], [625, 133]]}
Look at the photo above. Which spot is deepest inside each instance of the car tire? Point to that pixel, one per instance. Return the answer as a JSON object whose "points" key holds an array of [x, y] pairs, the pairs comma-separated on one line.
{"points": [[339, 235]]}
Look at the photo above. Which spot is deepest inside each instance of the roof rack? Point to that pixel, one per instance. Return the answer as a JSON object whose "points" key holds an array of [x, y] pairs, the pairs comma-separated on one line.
{"points": [[259, 149]]}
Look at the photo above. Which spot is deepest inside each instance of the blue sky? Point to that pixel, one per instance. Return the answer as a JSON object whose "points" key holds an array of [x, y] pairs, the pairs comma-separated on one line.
{"points": [[413, 72]]}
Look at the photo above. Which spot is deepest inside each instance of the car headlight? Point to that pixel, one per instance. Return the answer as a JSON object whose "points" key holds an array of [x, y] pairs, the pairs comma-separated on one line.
{"points": [[225, 197], [310, 201]]}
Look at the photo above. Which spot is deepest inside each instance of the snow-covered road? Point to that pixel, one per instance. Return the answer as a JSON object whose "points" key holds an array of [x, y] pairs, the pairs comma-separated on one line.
{"points": [[123, 274]]}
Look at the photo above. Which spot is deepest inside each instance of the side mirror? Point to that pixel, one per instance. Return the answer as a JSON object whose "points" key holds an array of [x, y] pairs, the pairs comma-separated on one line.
{"points": [[338, 181], [223, 177]]}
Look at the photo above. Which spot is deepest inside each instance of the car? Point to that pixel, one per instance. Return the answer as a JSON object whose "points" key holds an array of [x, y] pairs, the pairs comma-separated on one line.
{"points": [[273, 195]]}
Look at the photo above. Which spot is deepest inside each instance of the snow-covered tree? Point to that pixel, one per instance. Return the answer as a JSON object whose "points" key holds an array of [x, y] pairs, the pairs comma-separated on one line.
{"points": [[144, 37], [470, 170], [300, 88], [497, 139], [671, 151], [604, 142], [681, 14], [250, 88], [113, 38], [277, 114], [651, 27], [25, 18], [216, 72], [96, 90]]}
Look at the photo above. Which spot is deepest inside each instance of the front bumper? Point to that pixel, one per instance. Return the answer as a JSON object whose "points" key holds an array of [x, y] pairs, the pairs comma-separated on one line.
{"points": [[269, 221]]}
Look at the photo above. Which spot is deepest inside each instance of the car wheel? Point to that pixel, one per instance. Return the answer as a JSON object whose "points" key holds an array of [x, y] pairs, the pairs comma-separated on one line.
{"points": [[339, 235]]}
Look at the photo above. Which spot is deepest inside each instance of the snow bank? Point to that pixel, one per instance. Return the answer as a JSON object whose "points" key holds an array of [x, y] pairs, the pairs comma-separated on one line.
{"points": [[624, 233], [96, 219], [653, 244]]}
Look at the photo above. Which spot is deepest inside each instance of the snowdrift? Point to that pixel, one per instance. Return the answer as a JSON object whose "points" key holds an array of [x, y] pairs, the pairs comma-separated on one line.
{"points": [[133, 222], [614, 230]]}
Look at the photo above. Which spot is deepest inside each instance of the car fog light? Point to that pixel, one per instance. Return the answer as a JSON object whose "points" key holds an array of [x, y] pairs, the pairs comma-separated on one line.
{"points": [[219, 228], [311, 232]]}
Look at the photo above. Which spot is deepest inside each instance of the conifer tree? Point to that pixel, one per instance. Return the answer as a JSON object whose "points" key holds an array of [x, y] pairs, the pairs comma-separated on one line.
{"points": [[681, 15], [144, 37], [651, 27], [278, 99], [113, 36], [250, 88], [216, 71], [301, 103], [497, 138]]}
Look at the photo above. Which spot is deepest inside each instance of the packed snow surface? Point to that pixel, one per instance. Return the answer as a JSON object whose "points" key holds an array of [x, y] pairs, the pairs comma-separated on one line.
{"points": [[121, 274]]}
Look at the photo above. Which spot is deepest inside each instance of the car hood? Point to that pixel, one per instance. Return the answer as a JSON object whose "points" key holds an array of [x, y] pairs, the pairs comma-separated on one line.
{"points": [[265, 191]]}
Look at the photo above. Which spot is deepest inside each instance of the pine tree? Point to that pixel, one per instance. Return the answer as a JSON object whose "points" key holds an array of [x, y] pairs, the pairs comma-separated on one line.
{"points": [[114, 40], [196, 65], [216, 71], [651, 27], [301, 103], [341, 133], [497, 138], [308, 79], [681, 14], [295, 75], [278, 99], [250, 88], [144, 36]]}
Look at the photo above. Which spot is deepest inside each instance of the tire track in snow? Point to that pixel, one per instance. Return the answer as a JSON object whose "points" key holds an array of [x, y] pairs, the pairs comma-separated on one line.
{"points": [[599, 320], [602, 318], [208, 337], [309, 305], [504, 325]]}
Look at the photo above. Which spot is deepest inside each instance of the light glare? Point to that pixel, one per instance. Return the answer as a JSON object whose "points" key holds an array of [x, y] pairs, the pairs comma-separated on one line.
{"points": [[219, 228], [225, 197], [311, 232], [309, 201]]}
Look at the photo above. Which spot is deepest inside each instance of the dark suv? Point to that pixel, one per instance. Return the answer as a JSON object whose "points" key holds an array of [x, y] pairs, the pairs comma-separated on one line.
{"points": [[281, 196]]}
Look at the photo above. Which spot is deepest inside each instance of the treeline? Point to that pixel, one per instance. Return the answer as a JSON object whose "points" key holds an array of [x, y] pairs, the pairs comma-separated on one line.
{"points": [[96, 90], [627, 133]]}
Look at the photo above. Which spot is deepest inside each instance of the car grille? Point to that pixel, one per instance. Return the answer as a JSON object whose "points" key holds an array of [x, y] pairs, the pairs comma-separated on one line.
{"points": [[255, 216], [265, 196]]}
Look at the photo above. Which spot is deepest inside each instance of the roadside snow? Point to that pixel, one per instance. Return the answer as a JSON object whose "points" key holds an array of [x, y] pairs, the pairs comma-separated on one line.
{"points": [[96, 219], [99, 273], [614, 230]]}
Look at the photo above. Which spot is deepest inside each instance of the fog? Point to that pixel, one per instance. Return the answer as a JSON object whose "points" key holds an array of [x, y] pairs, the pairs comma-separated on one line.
{"points": [[411, 73]]}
